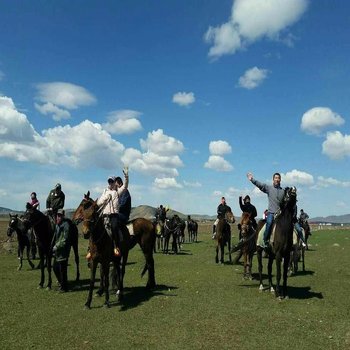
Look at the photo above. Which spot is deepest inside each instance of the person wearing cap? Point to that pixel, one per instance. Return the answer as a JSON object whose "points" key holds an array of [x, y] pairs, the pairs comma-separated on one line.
{"points": [[55, 200], [110, 201], [60, 249], [221, 212]]}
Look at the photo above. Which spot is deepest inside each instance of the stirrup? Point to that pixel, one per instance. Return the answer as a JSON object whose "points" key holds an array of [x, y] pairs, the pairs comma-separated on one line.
{"points": [[88, 256], [117, 252]]}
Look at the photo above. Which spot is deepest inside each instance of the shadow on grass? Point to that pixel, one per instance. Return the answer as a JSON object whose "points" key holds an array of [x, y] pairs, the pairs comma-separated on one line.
{"points": [[303, 293], [136, 296]]}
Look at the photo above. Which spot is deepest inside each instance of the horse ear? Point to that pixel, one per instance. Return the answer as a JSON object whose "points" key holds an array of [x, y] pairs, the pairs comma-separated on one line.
{"points": [[88, 194]]}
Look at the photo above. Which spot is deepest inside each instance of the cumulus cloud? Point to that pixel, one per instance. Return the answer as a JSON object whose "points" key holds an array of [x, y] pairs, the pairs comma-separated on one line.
{"points": [[160, 155], [318, 118], [57, 98], [252, 20], [123, 122], [14, 126], [329, 181], [166, 182], [219, 147], [184, 98], [296, 177], [252, 78], [218, 163], [336, 145]]}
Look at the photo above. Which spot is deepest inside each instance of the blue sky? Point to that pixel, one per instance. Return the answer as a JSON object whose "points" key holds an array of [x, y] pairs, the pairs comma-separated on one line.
{"points": [[191, 95]]}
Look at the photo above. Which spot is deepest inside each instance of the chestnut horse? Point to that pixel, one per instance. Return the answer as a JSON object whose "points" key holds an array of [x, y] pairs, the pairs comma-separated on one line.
{"points": [[223, 236], [101, 247], [282, 245]]}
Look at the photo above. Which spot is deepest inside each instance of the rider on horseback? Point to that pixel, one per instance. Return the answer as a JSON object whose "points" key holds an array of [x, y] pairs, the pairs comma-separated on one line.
{"points": [[55, 201], [111, 200], [221, 211]]}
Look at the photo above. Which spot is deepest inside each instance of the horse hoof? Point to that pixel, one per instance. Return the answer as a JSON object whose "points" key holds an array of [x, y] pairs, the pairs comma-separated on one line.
{"points": [[261, 288], [40, 286], [107, 305], [48, 288], [87, 307], [272, 290]]}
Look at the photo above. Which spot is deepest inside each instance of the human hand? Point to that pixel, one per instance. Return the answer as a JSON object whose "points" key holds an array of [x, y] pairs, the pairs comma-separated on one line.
{"points": [[126, 171], [250, 176]]}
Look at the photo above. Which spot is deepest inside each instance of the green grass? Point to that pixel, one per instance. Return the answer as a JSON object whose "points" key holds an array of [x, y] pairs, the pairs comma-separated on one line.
{"points": [[196, 305]]}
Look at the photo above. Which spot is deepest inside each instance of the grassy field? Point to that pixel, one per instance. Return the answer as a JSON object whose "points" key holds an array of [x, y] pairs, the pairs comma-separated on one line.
{"points": [[196, 305]]}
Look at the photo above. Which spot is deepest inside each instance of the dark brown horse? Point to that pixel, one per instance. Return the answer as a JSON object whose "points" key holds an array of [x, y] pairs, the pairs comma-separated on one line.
{"points": [[223, 236], [16, 224], [173, 228], [307, 232], [44, 234], [141, 231], [282, 230], [192, 229], [297, 254]]}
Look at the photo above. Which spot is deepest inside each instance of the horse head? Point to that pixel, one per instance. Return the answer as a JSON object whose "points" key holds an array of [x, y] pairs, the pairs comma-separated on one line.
{"points": [[245, 225], [289, 199], [87, 213], [12, 224], [230, 218]]}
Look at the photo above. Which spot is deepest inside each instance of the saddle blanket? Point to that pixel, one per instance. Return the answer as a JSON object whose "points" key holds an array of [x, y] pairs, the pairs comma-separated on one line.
{"points": [[260, 241], [130, 228]]}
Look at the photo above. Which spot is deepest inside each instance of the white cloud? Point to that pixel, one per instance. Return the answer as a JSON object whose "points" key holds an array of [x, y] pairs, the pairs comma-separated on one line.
{"points": [[296, 177], [318, 118], [336, 145], [327, 182], [49, 108], [184, 98], [123, 122], [218, 163], [252, 20], [14, 126], [252, 78], [219, 147], [192, 184], [168, 182], [58, 97], [161, 144]]}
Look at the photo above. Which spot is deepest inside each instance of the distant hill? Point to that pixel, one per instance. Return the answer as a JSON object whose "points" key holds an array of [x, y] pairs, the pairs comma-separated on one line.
{"points": [[334, 219]]}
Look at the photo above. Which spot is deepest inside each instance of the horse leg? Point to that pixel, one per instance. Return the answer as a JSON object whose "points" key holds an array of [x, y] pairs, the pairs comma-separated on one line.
{"points": [[92, 284], [269, 272], [42, 267], [229, 248], [217, 253], [222, 247], [105, 269], [49, 267], [28, 256], [101, 288], [260, 268], [20, 257], [245, 264], [303, 258], [76, 258], [278, 273], [285, 276]]}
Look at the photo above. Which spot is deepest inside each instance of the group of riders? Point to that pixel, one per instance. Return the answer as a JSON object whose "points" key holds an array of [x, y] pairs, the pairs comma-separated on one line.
{"points": [[275, 195]]}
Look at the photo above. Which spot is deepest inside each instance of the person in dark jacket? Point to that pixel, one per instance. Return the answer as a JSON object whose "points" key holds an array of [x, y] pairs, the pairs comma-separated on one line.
{"points": [[61, 249], [248, 207], [55, 200], [124, 202], [221, 212]]}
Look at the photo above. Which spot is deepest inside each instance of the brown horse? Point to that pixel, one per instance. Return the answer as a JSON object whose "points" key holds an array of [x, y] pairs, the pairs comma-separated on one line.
{"points": [[223, 236], [282, 244], [297, 254], [248, 243], [305, 225], [101, 247]]}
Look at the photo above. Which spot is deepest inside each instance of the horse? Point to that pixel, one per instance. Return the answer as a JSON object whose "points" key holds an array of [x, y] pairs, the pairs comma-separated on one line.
{"points": [[307, 232], [101, 247], [192, 229], [282, 229], [44, 235], [44, 231], [223, 235], [172, 228], [248, 244], [16, 224], [159, 224]]}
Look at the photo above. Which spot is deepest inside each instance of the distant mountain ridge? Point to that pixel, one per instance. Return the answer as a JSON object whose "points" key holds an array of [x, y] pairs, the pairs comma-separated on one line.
{"points": [[149, 212]]}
